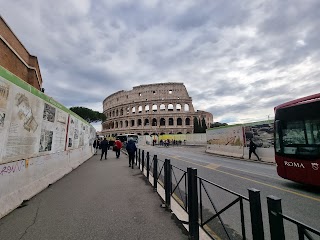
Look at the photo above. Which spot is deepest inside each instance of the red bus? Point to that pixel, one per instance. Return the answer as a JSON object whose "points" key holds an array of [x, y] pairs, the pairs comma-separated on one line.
{"points": [[297, 140]]}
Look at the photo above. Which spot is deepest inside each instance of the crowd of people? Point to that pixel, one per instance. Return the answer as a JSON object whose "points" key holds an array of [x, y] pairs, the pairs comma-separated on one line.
{"points": [[168, 142], [104, 145]]}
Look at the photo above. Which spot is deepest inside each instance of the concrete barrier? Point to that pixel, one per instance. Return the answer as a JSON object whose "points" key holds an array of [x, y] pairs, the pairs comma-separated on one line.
{"points": [[41, 141]]}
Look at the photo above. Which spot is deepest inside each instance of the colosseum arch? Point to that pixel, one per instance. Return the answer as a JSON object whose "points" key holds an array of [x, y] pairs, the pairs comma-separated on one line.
{"points": [[162, 107], [187, 121], [154, 108], [149, 107], [186, 108], [162, 122], [154, 122], [171, 123]]}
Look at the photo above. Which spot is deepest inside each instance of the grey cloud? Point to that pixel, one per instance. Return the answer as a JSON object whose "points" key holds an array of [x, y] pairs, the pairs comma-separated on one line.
{"points": [[239, 49], [217, 13]]}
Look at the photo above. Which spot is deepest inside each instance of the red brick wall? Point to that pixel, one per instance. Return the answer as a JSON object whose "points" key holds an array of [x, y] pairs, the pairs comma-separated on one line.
{"points": [[11, 62]]}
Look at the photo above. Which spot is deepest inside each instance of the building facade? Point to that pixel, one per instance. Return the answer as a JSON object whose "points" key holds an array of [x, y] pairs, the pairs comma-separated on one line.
{"points": [[163, 108], [15, 57]]}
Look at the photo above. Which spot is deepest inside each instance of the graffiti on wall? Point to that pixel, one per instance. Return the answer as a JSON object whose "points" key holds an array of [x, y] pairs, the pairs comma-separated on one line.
{"points": [[10, 168]]}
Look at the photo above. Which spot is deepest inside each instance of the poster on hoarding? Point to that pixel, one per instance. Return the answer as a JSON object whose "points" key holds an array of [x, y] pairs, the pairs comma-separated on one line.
{"points": [[53, 130], [23, 136], [261, 133], [231, 136], [73, 133], [4, 95], [60, 133]]}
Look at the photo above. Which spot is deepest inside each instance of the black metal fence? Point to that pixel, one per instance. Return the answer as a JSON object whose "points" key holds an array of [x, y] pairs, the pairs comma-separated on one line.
{"points": [[189, 191]]}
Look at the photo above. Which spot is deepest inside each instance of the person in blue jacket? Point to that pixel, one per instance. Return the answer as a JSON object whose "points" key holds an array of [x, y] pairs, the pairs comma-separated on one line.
{"points": [[131, 149]]}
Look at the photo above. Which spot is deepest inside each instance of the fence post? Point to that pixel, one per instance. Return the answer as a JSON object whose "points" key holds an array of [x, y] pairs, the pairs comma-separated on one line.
{"points": [[275, 220], [193, 203], [256, 214], [167, 182], [155, 172], [148, 167], [139, 158], [142, 161], [136, 157]]}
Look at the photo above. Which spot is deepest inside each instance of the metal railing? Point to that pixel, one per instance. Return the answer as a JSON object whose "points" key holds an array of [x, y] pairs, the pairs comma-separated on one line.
{"points": [[180, 195], [276, 218], [189, 190]]}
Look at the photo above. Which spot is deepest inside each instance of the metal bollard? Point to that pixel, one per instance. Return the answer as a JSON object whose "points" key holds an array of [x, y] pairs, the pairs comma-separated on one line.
{"points": [[193, 204], [256, 214], [275, 220], [148, 167], [139, 158], [155, 172], [142, 160], [136, 157], [167, 182]]}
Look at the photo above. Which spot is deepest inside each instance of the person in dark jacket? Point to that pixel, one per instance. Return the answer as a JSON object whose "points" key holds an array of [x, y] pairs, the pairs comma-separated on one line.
{"points": [[131, 149], [252, 149], [104, 148], [96, 145]]}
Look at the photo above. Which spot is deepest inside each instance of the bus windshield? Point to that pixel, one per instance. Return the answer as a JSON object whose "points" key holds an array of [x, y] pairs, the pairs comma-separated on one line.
{"points": [[125, 137], [298, 131]]}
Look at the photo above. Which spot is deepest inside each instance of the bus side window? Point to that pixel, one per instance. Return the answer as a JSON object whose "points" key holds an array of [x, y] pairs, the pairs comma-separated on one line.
{"points": [[277, 136]]}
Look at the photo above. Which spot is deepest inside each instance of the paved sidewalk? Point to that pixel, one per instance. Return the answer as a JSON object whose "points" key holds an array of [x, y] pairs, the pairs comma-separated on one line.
{"points": [[98, 200]]}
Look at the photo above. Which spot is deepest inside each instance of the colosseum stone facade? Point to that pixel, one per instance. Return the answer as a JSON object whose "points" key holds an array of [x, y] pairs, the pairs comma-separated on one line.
{"points": [[163, 108]]}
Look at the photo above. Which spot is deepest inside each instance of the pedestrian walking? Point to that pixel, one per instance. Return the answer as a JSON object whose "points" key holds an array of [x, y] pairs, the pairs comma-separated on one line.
{"points": [[96, 145], [131, 149], [117, 147], [104, 148], [252, 149]]}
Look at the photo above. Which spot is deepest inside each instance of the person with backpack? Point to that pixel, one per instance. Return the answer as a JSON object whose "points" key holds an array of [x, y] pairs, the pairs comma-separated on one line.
{"points": [[252, 149], [131, 149], [117, 147]]}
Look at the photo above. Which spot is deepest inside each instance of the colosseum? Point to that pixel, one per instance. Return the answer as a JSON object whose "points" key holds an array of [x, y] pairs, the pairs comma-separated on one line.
{"points": [[162, 108]]}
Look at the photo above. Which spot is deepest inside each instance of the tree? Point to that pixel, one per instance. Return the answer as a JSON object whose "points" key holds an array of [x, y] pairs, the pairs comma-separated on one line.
{"points": [[88, 114], [196, 125], [203, 125]]}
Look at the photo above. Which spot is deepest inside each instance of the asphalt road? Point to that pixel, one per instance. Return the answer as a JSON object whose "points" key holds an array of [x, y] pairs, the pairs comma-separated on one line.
{"points": [[298, 201]]}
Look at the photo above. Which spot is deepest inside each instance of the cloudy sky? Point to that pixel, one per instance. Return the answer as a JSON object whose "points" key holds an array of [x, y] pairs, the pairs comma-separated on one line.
{"points": [[238, 58]]}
